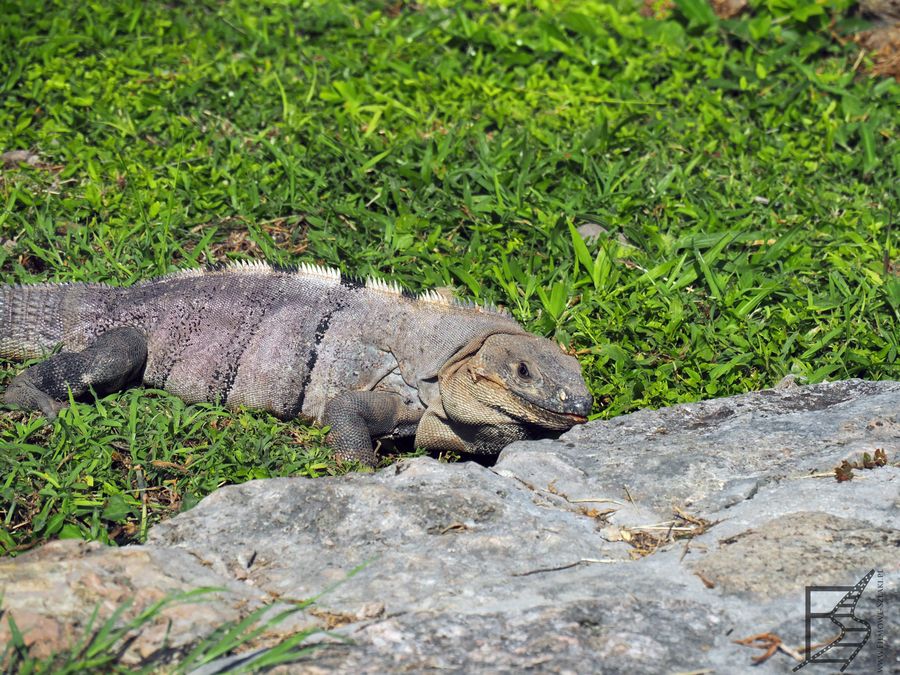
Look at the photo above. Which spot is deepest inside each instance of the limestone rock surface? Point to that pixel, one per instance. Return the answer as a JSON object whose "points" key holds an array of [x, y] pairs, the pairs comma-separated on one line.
{"points": [[646, 543]]}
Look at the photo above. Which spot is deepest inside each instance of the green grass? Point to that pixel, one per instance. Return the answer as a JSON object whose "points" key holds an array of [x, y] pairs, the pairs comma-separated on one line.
{"points": [[745, 174], [103, 643]]}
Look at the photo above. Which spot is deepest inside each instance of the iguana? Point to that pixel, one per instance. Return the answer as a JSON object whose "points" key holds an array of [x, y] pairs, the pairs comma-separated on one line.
{"points": [[362, 356]]}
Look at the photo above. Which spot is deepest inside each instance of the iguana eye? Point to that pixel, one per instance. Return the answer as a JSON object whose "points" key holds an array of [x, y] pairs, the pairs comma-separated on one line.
{"points": [[523, 371]]}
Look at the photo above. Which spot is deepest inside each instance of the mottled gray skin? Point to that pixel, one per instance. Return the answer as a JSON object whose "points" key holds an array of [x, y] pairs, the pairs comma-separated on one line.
{"points": [[365, 358]]}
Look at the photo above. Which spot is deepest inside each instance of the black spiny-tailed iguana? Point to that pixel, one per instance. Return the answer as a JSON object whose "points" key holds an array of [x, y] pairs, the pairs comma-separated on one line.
{"points": [[364, 357]]}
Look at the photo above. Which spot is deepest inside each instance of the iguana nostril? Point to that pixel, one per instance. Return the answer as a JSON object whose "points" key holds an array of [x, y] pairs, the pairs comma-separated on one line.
{"points": [[562, 395]]}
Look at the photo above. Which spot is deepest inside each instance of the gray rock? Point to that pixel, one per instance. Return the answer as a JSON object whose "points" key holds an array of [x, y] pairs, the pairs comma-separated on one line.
{"points": [[647, 543], [53, 591], [591, 232], [690, 454], [12, 158]]}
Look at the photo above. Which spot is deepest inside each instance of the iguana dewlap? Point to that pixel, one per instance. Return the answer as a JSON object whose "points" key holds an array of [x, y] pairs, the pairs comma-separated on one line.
{"points": [[364, 357]]}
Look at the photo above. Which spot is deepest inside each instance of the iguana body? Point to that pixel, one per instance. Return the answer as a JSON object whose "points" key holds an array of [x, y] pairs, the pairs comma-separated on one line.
{"points": [[364, 357]]}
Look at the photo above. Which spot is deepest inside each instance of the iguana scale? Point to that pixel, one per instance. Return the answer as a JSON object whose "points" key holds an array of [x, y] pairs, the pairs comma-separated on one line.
{"points": [[362, 356]]}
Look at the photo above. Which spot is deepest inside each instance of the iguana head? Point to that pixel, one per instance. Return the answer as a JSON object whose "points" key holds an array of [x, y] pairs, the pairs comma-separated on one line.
{"points": [[515, 378]]}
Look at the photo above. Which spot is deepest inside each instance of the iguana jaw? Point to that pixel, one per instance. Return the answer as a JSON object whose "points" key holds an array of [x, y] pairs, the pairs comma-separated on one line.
{"points": [[508, 402]]}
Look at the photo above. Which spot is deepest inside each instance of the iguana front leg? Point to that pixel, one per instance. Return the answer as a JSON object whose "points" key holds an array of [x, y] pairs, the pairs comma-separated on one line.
{"points": [[437, 434], [113, 360], [356, 416]]}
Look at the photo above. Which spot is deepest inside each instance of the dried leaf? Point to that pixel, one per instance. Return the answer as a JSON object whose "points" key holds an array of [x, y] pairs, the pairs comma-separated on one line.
{"points": [[843, 472]]}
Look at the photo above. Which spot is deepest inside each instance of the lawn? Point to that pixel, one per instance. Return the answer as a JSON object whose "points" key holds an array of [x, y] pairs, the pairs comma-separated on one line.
{"points": [[740, 178]]}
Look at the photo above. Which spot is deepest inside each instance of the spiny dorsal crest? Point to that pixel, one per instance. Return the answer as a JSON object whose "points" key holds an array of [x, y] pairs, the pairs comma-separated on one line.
{"points": [[435, 296], [382, 286], [438, 296], [320, 272], [260, 268]]}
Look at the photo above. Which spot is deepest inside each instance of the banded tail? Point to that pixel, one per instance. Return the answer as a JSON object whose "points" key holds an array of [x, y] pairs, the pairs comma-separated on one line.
{"points": [[34, 318]]}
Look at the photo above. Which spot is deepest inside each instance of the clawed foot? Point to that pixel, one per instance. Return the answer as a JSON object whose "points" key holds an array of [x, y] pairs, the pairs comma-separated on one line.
{"points": [[25, 395]]}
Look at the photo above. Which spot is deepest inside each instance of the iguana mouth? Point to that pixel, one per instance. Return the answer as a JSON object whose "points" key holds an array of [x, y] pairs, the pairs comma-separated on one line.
{"points": [[538, 411], [570, 418], [538, 415]]}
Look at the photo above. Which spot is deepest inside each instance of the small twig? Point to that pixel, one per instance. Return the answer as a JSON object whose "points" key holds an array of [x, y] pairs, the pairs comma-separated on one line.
{"points": [[64, 460], [824, 474], [709, 583], [772, 644], [664, 525], [689, 518], [767, 641], [149, 488], [583, 561], [790, 652], [280, 219], [670, 530], [598, 500], [161, 464]]}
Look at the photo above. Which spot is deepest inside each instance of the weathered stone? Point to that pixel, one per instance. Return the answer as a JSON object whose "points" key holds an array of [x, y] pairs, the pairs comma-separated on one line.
{"points": [[689, 455], [51, 593], [796, 549], [591, 232], [12, 158], [535, 563]]}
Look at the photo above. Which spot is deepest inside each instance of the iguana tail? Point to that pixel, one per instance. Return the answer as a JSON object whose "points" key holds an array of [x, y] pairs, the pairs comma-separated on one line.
{"points": [[33, 318]]}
